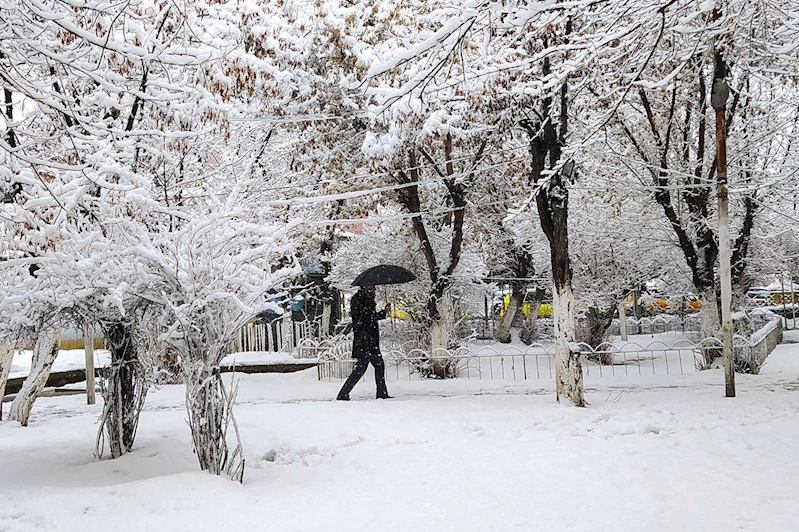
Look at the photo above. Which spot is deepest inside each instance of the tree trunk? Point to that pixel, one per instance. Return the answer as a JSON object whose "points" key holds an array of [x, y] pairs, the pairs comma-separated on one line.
{"points": [[45, 352], [441, 366], [568, 368], [327, 313], [439, 338], [553, 212], [6, 359], [210, 413], [442, 326], [595, 331], [124, 391], [438, 319], [711, 324], [503, 333], [552, 200], [529, 330], [441, 329]]}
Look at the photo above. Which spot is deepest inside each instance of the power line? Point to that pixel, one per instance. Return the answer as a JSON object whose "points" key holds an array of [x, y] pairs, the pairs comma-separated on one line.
{"points": [[607, 186], [406, 215], [388, 188], [296, 119]]}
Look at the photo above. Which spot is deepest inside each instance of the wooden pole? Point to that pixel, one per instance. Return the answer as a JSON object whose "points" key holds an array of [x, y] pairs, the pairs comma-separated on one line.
{"points": [[88, 349], [784, 305], [6, 357], [793, 300], [485, 304], [718, 99]]}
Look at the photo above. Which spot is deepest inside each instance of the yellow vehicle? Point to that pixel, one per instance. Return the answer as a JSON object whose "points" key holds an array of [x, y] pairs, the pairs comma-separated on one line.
{"points": [[400, 310], [657, 305], [544, 309], [777, 298], [661, 304]]}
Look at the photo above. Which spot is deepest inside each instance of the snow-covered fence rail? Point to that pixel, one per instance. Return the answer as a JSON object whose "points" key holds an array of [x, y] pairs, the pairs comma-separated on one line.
{"points": [[283, 335], [535, 362], [659, 324], [338, 347], [750, 355]]}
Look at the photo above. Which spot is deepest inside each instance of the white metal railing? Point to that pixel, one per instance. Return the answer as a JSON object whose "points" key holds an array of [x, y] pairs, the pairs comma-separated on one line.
{"points": [[281, 335], [537, 361], [338, 347], [657, 324], [534, 361]]}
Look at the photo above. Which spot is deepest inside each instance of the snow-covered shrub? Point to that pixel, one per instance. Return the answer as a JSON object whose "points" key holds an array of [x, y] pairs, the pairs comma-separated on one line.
{"points": [[216, 272]]}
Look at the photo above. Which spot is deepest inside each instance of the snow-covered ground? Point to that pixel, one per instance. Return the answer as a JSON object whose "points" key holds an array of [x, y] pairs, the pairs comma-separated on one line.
{"points": [[76, 359], [670, 353], [657, 453], [67, 360]]}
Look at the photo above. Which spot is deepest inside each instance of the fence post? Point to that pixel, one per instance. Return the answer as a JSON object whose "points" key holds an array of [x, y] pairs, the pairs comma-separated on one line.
{"points": [[6, 357], [784, 306], [88, 350]]}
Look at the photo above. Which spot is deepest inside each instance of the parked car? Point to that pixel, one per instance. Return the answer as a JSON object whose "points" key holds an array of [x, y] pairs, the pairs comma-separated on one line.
{"points": [[757, 297], [401, 309], [544, 309], [788, 297], [692, 302]]}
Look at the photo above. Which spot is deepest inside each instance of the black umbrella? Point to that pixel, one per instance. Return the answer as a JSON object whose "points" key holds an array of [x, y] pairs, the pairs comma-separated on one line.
{"points": [[383, 274]]}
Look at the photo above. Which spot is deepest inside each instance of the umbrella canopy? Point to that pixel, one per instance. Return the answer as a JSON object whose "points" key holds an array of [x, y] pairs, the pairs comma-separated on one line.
{"points": [[383, 274]]}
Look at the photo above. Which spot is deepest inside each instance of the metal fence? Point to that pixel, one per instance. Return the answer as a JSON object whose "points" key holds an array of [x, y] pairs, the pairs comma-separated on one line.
{"points": [[614, 358], [537, 361], [479, 328], [687, 323], [658, 324], [337, 348]]}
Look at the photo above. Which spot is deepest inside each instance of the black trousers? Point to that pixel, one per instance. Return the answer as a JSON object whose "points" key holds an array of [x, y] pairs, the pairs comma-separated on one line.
{"points": [[360, 368]]}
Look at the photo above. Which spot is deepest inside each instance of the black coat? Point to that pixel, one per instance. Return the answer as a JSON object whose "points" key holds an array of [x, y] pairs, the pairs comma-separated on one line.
{"points": [[366, 334]]}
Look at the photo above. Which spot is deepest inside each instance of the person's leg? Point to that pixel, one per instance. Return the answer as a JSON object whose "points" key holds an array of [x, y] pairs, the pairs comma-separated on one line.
{"points": [[357, 372], [380, 376]]}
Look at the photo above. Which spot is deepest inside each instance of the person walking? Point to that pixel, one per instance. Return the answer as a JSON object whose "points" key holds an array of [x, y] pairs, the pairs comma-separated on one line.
{"points": [[366, 342]]}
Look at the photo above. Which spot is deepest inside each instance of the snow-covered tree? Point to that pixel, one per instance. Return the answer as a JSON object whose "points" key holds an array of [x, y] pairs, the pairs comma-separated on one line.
{"points": [[667, 124], [510, 66], [510, 245], [214, 274], [422, 155], [114, 132]]}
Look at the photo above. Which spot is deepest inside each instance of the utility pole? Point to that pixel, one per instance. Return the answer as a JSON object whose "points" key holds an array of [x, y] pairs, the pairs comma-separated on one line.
{"points": [[784, 306], [718, 98], [793, 297]]}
